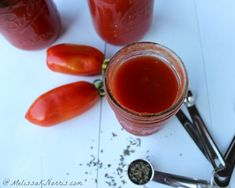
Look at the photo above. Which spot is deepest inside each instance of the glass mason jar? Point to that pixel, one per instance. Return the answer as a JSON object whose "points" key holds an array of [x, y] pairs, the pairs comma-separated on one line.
{"points": [[145, 123], [29, 24], [121, 21]]}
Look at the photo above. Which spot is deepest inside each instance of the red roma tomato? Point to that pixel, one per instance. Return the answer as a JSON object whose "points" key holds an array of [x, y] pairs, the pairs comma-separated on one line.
{"points": [[62, 103], [75, 59]]}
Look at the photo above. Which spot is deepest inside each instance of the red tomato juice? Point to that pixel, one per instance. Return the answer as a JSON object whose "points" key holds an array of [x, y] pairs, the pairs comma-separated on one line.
{"points": [[121, 21], [145, 85], [29, 24]]}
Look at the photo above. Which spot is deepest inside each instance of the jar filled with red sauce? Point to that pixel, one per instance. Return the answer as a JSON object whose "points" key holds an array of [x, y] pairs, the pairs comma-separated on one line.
{"points": [[121, 21], [146, 84], [29, 24]]}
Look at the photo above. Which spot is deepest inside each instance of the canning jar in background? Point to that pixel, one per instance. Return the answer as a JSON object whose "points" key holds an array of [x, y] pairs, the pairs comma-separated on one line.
{"points": [[139, 123], [29, 24], [121, 21]]}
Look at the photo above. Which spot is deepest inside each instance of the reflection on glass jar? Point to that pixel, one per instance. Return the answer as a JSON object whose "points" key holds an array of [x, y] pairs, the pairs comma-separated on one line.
{"points": [[121, 21], [146, 84], [28, 24]]}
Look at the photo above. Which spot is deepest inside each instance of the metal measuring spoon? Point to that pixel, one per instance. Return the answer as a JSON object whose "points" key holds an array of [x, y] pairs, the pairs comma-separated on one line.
{"points": [[222, 177], [141, 172], [189, 127], [210, 148]]}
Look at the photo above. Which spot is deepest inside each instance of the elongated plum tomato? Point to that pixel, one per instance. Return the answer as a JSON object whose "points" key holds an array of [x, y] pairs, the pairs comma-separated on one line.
{"points": [[75, 59], [62, 103]]}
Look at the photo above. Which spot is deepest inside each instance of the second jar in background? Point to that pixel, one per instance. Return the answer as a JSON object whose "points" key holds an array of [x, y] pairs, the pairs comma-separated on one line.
{"points": [[120, 22], [29, 24]]}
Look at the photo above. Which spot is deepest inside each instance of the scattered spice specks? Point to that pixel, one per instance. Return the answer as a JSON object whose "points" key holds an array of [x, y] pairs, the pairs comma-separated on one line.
{"points": [[92, 162], [110, 181], [135, 142], [148, 157], [115, 176], [119, 170], [114, 134]]}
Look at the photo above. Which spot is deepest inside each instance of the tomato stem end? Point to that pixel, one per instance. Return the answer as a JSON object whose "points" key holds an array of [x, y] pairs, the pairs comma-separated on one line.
{"points": [[99, 85]]}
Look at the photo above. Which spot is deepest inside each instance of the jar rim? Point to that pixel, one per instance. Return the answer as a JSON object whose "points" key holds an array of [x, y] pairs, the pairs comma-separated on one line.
{"points": [[165, 112]]}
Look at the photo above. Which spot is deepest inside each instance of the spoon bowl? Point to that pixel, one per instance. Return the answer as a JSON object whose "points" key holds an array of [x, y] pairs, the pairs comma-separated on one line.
{"points": [[140, 172]]}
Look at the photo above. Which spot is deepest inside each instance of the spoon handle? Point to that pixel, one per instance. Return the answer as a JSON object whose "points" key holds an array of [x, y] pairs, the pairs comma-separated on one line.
{"points": [[209, 145], [179, 181], [188, 126], [222, 177]]}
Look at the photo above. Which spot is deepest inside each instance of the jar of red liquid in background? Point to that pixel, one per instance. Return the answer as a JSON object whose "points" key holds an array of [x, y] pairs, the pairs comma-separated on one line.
{"points": [[29, 24], [121, 21], [146, 84]]}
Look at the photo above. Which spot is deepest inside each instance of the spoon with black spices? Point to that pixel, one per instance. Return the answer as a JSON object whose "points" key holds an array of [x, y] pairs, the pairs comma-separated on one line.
{"points": [[140, 172]]}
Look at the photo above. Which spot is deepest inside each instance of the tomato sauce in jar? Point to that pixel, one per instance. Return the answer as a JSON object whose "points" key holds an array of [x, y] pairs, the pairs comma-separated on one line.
{"points": [[146, 84], [121, 21], [28, 24]]}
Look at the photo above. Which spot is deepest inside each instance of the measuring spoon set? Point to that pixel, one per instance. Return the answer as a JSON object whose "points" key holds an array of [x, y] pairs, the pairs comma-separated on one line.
{"points": [[223, 165]]}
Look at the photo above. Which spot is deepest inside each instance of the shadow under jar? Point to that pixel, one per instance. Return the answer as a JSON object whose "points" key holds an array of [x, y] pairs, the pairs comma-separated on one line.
{"points": [[146, 84], [29, 24], [121, 21]]}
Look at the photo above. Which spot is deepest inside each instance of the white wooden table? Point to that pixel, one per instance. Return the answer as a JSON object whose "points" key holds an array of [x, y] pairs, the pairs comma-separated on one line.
{"points": [[87, 151]]}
